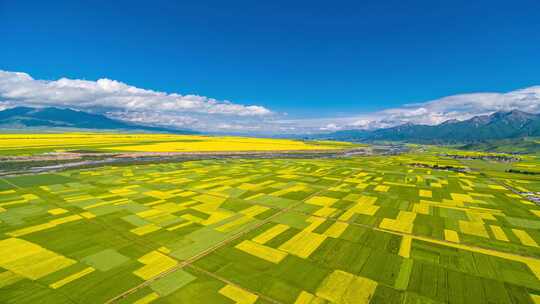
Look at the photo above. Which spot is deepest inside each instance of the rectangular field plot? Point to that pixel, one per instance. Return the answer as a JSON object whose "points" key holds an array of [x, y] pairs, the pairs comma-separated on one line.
{"points": [[393, 229]]}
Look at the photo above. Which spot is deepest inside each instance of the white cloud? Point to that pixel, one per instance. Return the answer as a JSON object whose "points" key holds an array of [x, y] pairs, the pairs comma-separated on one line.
{"points": [[460, 107], [112, 96], [237, 127], [122, 101], [153, 118], [330, 127]]}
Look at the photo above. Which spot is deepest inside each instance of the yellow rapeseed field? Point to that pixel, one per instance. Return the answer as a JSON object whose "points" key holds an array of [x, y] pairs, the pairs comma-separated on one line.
{"points": [[403, 222], [30, 260], [303, 244], [155, 263], [499, 233], [238, 295], [264, 252], [270, 233], [336, 229], [473, 228], [344, 287], [524, 237], [72, 278], [155, 143], [451, 235]]}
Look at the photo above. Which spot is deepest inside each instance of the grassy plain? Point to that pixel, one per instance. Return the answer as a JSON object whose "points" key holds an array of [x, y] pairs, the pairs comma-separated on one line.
{"points": [[373, 229]]}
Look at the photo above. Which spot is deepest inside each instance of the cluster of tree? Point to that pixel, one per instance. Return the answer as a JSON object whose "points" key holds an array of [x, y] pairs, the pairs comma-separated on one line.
{"points": [[522, 172], [439, 167], [501, 158]]}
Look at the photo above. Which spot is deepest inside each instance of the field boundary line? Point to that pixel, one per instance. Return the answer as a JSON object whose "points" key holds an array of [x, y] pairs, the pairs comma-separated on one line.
{"points": [[350, 222], [223, 243], [224, 280]]}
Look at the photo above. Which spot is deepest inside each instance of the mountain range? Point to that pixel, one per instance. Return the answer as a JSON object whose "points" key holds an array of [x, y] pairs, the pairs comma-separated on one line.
{"points": [[52, 118], [497, 126]]}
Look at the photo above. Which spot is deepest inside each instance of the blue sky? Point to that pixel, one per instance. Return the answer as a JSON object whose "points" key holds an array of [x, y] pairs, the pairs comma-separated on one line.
{"points": [[310, 59]]}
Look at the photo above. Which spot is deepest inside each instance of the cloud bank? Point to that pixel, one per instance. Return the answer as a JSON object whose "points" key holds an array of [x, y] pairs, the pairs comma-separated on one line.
{"points": [[119, 100], [459, 107], [122, 101]]}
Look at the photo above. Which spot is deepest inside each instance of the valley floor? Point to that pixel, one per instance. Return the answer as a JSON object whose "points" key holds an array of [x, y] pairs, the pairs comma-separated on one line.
{"points": [[373, 229]]}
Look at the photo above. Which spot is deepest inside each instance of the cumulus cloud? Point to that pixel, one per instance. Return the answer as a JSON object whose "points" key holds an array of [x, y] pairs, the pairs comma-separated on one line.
{"points": [[330, 127], [459, 107], [122, 101], [113, 96], [155, 118]]}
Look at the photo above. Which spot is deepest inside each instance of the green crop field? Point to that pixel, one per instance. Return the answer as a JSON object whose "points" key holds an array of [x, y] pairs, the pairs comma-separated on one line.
{"points": [[371, 229]]}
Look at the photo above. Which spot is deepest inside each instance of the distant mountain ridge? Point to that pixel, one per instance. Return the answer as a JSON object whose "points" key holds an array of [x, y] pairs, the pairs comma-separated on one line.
{"points": [[499, 125], [52, 117]]}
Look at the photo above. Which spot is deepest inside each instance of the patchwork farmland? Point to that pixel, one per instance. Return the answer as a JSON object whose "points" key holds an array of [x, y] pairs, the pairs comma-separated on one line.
{"points": [[372, 229]]}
